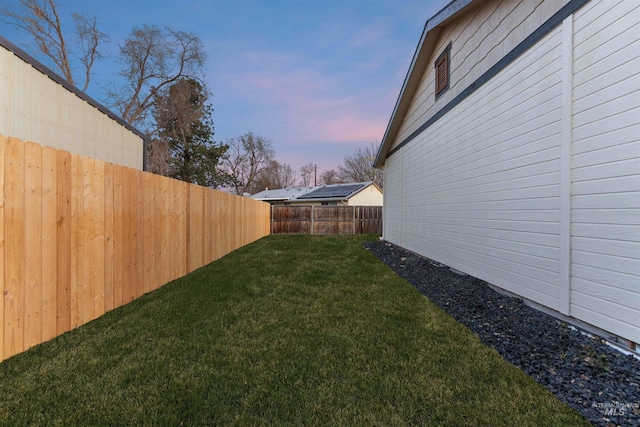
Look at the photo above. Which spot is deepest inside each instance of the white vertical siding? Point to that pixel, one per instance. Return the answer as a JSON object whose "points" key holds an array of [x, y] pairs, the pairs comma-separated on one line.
{"points": [[481, 187], [35, 108], [605, 287]]}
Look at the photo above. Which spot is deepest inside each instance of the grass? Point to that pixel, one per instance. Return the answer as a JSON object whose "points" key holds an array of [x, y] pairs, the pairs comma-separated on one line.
{"points": [[291, 330]]}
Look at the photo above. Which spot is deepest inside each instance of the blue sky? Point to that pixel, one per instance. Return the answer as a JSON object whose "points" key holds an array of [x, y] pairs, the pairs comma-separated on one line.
{"points": [[318, 78]]}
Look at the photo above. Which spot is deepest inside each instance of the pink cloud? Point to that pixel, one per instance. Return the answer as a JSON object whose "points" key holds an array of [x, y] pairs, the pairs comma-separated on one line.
{"points": [[314, 105]]}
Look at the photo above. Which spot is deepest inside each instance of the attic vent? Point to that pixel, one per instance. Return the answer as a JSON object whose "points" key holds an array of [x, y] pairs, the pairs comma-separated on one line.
{"points": [[442, 71]]}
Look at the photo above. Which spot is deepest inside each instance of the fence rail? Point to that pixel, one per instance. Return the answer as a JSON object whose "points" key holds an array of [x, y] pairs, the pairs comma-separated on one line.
{"points": [[80, 237], [326, 219]]}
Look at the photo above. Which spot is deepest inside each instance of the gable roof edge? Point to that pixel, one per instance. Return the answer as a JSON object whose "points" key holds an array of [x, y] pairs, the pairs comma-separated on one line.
{"points": [[20, 53], [426, 44]]}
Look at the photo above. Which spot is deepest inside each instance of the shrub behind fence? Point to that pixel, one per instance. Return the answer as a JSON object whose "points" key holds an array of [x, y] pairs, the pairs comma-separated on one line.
{"points": [[80, 237]]}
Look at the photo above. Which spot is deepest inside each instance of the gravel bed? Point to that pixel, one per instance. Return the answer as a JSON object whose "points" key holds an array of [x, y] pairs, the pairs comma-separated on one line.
{"points": [[597, 380]]}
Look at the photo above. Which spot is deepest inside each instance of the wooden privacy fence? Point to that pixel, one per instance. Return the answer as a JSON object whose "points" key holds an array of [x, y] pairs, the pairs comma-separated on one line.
{"points": [[80, 237], [326, 219]]}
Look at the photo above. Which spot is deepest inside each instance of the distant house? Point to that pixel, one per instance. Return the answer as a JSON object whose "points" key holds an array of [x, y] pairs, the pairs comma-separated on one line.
{"points": [[513, 154], [355, 194], [38, 105]]}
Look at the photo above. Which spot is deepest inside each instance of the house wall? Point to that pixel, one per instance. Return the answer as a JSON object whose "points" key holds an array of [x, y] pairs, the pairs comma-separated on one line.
{"points": [[370, 196], [532, 183], [33, 107], [479, 39], [605, 176]]}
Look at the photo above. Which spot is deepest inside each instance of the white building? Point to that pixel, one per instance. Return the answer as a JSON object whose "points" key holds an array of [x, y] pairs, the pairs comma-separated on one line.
{"points": [[38, 105], [351, 194], [513, 153]]}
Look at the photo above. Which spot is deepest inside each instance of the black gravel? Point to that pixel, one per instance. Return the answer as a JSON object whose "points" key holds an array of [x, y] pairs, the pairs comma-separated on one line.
{"points": [[598, 381]]}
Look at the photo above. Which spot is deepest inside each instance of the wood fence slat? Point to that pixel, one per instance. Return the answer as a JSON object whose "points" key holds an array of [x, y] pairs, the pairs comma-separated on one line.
{"points": [[217, 225], [140, 231], [194, 227], [149, 231], [127, 271], [14, 234], [180, 248], [87, 298], [222, 224], [77, 214], [3, 143], [49, 247], [99, 238], [118, 236], [162, 224], [137, 233], [109, 244], [63, 240], [174, 244], [208, 220], [33, 244]]}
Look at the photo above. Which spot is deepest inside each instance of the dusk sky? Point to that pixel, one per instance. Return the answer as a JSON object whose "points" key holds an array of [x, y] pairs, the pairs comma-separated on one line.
{"points": [[318, 78]]}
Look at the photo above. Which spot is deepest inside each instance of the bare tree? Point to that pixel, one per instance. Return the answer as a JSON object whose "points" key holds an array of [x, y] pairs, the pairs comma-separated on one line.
{"points": [[276, 175], [307, 175], [40, 18], [247, 157], [358, 167], [152, 59], [89, 38], [330, 177]]}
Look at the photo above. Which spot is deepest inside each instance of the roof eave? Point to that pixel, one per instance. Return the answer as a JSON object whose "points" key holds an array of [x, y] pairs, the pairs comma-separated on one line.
{"points": [[414, 74], [324, 199], [17, 51]]}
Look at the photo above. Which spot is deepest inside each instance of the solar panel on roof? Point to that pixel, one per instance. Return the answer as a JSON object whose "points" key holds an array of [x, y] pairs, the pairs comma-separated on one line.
{"points": [[327, 192]]}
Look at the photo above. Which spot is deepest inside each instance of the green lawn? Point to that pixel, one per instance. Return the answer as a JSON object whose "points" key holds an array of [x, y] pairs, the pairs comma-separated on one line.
{"points": [[290, 330]]}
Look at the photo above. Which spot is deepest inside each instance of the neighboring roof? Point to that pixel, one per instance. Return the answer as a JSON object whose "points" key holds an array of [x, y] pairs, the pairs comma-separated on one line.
{"points": [[324, 193], [71, 88], [341, 191], [416, 70], [282, 193]]}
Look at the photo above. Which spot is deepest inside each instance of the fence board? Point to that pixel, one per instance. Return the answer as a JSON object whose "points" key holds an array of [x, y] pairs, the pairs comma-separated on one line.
{"points": [[14, 235], [79, 237], [33, 244], [86, 301], [195, 226], [136, 180], [149, 231], [2, 239], [163, 234], [324, 220], [63, 243], [118, 236], [99, 246], [217, 213], [109, 248], [127, 241], [49, 249], [77, 231]]}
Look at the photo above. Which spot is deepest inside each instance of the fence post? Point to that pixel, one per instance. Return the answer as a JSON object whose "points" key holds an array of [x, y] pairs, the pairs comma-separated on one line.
{"points": [[353, 221]]}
